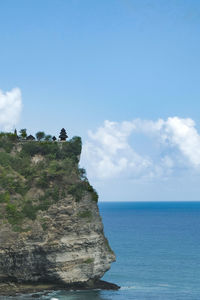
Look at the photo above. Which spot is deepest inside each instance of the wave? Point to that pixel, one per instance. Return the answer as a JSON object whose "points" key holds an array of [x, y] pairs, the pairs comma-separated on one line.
{"points": [[143, 287]]}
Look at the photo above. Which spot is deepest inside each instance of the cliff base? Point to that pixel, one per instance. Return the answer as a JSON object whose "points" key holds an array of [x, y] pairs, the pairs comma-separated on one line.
{"points": [[13, 289]]}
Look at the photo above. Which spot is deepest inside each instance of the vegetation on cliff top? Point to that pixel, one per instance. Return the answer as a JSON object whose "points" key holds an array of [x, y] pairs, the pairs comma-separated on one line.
{"points": [[36, 174]]}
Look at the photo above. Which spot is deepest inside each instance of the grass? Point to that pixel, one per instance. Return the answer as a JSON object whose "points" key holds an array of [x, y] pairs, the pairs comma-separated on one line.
{"points": [[89, 261]]}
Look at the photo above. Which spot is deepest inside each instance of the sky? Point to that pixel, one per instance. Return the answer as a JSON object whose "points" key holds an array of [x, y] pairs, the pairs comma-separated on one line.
{"points": [[122, 74]]}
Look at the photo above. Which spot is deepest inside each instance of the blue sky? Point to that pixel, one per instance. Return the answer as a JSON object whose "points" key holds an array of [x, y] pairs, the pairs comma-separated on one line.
{"points": [[78, 63]]}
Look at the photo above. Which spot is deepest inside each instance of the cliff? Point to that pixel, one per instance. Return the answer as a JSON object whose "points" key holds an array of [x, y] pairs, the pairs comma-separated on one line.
{"points": [[50, 228]]}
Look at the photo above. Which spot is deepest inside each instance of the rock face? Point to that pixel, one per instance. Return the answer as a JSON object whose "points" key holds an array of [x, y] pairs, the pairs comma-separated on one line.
{"points": [[63, 243], [71, 249]]}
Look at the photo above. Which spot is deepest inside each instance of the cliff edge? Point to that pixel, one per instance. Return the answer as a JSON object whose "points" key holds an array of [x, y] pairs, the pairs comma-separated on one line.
{"points": [[50, 227]]}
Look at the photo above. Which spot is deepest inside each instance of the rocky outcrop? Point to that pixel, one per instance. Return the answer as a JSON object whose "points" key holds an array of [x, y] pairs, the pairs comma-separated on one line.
{"points": [[66, 245], [51, 232]]}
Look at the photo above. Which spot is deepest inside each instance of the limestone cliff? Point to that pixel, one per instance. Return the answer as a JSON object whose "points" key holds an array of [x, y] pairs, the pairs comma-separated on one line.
{"points": [[50, 227]]}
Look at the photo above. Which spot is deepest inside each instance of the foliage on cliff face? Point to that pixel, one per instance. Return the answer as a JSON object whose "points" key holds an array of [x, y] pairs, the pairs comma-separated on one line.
{"points": [[35, 175]]}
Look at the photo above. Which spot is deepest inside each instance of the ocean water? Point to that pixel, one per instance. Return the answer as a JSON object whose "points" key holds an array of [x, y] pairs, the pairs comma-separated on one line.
{"points": [[158, 253]]}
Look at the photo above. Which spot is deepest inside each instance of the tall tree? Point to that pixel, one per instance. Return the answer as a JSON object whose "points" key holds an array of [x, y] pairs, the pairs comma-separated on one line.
{"points": [[23, 133], [40, 135], [63, 135], [48, 138], [15, 136]]}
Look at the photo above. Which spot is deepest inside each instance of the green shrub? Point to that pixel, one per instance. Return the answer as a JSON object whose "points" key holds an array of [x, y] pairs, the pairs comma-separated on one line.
{"points": [[108, 246], [55, 194], [55, 170], [5, 159], [89, 261], [82, 173], [10, 182], [17, 228], [44, 226], [85, 214], [63, 194], [7, 141], [77, 190], [45, 202], [29, 210], [14, 216], [72, 149], [90, 189], [4, 197], [42, 181]]}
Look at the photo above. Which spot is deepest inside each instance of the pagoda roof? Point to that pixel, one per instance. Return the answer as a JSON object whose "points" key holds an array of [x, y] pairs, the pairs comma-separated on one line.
{"points": [[30, 137]]}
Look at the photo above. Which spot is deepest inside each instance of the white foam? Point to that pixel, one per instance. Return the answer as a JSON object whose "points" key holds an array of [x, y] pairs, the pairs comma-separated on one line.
{"points": [[128, 287], [164, 285], [141, 287]]}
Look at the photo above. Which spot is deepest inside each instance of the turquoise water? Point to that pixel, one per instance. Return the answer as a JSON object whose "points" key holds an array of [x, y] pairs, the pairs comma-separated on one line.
{"points": [[158, 252]]}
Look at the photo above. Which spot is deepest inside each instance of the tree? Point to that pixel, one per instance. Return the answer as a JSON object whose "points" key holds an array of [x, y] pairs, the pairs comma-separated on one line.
{"points": [[54, 138], [23, 133], [63, 135], [82, 173], [13, 136], [48, 137], [40, 135]]}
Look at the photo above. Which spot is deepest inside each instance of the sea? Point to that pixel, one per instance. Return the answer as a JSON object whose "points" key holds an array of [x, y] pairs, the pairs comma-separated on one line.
{"points": [[157, 246]]}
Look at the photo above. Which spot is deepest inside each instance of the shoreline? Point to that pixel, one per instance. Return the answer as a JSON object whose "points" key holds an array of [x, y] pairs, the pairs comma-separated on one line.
{"points": [[14, 289]]}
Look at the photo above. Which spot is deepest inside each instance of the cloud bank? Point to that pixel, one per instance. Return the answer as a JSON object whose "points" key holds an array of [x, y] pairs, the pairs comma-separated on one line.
{"points": [[10, 108], [112, 150]]}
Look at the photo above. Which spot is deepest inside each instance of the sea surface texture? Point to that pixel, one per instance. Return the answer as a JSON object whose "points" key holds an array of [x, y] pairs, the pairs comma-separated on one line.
{"points": [[158, 253]]}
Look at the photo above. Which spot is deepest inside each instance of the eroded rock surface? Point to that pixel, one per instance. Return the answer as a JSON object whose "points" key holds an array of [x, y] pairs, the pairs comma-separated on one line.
{"points": [[70, 246]]}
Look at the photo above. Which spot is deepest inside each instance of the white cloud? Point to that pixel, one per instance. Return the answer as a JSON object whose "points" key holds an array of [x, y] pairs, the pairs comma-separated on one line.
{"points": [[108, 152], [10, 108], [183, 134]]}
